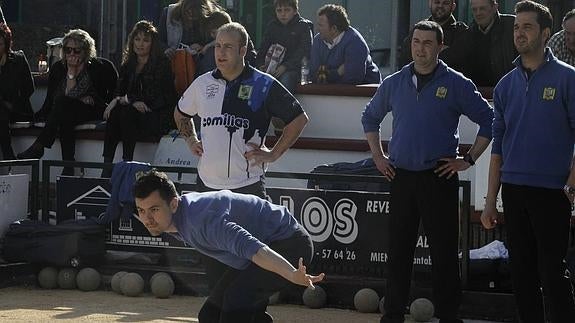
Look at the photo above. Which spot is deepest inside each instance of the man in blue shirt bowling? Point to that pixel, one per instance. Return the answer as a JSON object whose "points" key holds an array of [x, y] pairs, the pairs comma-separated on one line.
{"points": [[260, 242]]}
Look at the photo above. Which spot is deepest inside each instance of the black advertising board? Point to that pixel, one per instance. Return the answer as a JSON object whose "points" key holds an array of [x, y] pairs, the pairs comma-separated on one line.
{"points": [[348, 228]]}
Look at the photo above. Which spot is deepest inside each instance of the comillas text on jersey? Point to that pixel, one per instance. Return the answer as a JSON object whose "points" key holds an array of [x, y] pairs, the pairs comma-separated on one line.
{"points": [[226, 120], [233, 114]]}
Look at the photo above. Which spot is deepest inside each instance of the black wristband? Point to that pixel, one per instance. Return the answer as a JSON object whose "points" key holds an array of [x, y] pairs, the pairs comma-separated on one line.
{"points": [[469, 159]]}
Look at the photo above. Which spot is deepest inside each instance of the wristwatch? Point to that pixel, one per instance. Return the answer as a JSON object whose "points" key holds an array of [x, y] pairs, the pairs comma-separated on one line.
{"points": [[569, 189], [469, 159]]}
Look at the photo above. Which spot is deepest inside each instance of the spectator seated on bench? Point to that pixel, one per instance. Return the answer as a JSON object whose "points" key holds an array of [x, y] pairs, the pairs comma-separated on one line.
{"points": [[79, 86], [145, 96], [16, 87]]}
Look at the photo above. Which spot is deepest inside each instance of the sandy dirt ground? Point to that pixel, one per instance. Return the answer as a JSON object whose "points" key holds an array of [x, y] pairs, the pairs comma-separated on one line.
{"points": [[22, 304], [31, 304]]}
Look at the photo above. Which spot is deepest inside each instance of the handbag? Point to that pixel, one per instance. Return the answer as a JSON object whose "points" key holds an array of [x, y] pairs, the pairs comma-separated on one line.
{"points": [[184, 68]]}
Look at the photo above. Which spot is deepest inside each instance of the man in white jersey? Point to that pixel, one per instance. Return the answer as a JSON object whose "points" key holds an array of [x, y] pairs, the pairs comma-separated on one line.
{"points": [[235, 103]]}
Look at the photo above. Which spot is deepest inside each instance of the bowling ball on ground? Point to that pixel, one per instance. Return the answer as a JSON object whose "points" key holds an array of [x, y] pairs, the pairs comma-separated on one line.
{"points": [[421, 310], [162, 285], [132, 284], [67, 278], [88, 279], [48, 278], [115, 282], [366, 300], [314, 298]]}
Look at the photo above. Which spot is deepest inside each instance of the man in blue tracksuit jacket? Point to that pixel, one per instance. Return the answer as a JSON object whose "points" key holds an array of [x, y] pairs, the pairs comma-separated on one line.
{"points": [[426, 99], [531, 159], [339, 54], [259, 241]]}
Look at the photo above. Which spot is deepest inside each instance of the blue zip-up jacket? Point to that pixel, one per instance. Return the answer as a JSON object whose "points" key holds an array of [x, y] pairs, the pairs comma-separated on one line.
{"points": [[352, 51], [534, 126], [231, 227], [425, 123]]}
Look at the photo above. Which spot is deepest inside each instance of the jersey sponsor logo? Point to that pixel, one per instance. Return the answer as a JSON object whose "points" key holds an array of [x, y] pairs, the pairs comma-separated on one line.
{"points": [[549, 93], [245, 92], [226, 120], [212, 90], [441, 92]]}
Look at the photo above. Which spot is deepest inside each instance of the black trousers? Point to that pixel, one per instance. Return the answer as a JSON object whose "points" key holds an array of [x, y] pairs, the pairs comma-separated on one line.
{"points": [[67, 113], [537, 224], [214, 268], [423, 195], [126, 124], [241, 296]]}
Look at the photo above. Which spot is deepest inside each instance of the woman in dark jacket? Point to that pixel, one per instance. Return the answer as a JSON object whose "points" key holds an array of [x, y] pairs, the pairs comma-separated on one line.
{"points": [[79, 87], [16, 87], [144, 96]]}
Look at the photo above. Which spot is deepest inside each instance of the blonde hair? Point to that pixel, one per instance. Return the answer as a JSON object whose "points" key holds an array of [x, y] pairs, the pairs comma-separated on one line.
{"points": [[234, 27], [81, 37]]}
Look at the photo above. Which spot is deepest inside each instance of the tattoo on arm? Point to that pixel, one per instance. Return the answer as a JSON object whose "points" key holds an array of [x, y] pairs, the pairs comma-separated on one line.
{"points": [[187, 129]]}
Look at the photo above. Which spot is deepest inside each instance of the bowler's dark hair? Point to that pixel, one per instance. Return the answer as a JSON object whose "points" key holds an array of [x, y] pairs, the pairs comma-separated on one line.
{"points": [[336, 16], [430, 26], [153, 180], [544, 17], [6, 33]]}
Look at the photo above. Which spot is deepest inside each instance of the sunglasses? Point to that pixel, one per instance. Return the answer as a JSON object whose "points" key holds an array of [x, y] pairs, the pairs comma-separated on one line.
{"points": [[69, 50]]}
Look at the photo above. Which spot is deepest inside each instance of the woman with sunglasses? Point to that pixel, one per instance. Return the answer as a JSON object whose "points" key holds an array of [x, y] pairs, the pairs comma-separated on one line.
{"points": [[79, 88], [16, 87], [145, 96]]}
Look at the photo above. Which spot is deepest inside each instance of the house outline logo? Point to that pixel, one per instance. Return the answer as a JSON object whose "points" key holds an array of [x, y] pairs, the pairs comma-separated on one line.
{"points": [[87, 195], [97, 193]]}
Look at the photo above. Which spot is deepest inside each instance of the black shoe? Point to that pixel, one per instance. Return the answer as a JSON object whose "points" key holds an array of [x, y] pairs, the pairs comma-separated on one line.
{"points": [[36, 151]]}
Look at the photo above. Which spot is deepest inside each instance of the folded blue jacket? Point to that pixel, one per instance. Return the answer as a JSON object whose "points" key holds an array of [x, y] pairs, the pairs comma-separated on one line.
{"points": [[121, 201]]}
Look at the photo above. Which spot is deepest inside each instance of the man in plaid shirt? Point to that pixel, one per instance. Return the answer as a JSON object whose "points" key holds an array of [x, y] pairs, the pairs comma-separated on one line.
{"points": [[562, 43]]}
